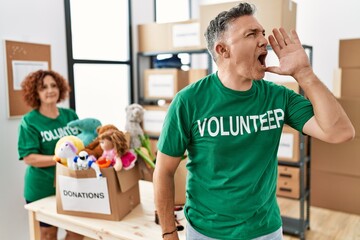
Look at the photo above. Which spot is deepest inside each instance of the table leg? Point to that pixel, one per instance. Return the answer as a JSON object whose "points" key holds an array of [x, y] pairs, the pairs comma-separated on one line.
{"points": [[34, 226]]}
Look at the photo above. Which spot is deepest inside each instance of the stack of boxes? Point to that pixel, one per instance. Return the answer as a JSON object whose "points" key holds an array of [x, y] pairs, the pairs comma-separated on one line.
{"points": [[335, 170]]}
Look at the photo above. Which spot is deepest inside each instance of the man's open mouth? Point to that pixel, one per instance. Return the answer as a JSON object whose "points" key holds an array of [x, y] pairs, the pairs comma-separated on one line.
{"points": [[262, 58]]}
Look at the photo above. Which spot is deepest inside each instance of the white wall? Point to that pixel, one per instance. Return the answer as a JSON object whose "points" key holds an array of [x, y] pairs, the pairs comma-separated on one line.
{"points": [[38, 21], [320, 23]]}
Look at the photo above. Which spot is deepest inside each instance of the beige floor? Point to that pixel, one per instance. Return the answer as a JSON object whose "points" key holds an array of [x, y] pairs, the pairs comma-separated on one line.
{"points": [[324, 224]]}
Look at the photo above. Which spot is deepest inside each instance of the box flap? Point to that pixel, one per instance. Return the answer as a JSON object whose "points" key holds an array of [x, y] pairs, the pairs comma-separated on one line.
{"points": [[128, 178]]}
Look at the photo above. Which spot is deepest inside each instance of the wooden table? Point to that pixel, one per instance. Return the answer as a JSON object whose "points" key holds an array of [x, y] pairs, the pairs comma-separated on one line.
{"points": [[139, 224]]}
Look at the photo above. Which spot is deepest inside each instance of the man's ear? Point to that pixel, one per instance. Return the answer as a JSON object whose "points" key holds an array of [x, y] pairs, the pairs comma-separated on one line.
{"points": [[222, 50]]}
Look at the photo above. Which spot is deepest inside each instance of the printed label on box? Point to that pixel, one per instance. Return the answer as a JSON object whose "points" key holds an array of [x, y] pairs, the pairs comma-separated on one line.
{"points": [[153, 120], [286, 145], [84, 194], [186, 35], [161, 85]]}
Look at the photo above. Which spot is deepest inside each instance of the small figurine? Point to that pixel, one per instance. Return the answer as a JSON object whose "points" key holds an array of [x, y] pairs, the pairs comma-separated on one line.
{"points": [[115, 148]]}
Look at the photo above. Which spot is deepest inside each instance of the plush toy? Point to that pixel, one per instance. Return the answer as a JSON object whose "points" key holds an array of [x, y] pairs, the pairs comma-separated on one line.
{"points": [[84, 161], [134, 118], [77, 142], [115, 148], [94, 148], [87, 127], [69, 151]]}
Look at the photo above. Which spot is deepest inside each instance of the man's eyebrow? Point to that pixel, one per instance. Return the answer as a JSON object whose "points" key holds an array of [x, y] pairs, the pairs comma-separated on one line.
{"points": [[257, 30]]}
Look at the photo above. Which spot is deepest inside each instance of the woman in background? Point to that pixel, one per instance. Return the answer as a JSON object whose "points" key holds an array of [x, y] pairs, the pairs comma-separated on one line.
{"points": [[39, 131]]}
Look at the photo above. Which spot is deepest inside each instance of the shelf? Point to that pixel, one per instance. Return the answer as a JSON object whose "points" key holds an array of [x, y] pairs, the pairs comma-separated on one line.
{"points": [[294, 164], [295, 226], [149, 54]]}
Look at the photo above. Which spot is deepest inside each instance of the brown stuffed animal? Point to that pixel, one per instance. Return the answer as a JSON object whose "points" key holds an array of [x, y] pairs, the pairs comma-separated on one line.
{"points": [[94, 147]]}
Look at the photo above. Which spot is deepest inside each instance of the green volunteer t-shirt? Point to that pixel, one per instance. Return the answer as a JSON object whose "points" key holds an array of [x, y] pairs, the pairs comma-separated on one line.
{"points": [[232, 139], [38, 134]]}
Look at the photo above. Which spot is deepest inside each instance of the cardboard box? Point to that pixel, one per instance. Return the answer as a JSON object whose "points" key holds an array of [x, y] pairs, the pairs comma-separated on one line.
{"points": [[289, 181], [349, 53], [164, 83], [289, 146], [166, 37], [80, 193], [347, 82], [270, 14], [335, 191], [179, 180], [343, 158], [180, 183], [287, 188], [154, 117], [352, 109], [293, 85], [289, 173], [197, 74], [146, 172]]}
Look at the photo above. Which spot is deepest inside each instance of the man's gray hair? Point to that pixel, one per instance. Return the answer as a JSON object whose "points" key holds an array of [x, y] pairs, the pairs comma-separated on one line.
{"points": [[220, 23]]}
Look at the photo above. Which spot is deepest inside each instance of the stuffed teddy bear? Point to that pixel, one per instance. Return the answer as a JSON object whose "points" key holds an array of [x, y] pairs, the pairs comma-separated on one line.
{"points": [[87, 127], [134, 118], [94, 147]]}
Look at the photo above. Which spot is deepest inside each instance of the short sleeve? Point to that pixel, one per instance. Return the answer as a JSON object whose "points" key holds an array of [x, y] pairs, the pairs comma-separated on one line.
{"points": [[175, 132], [298, 111], [28, 140]]}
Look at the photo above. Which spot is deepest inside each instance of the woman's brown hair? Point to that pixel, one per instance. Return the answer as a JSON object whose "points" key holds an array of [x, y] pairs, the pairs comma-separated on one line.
{"points": [[34, 81]]}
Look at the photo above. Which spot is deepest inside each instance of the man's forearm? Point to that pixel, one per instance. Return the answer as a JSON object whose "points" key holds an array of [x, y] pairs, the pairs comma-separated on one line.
{"points": [[329, 114], [164, 202]]}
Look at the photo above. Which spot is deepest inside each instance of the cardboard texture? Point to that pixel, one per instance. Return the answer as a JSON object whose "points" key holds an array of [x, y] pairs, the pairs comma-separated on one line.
{"points": [[180, 183], [289, 146], [197, 74], [349, 82], [146, 172], [335, 191], [179, 180], [288, 184], [122, 191], [283, 13], [164, 83], [153, 119], [288, 188], [175, 36], [343, 158], [349, 53], [352, 109], [293, 85]]}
